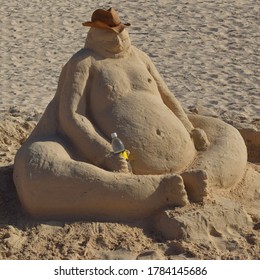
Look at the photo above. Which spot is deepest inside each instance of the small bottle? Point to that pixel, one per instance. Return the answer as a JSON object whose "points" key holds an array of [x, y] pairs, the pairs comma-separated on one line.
{"points": [[119, 148], [117, 144]]}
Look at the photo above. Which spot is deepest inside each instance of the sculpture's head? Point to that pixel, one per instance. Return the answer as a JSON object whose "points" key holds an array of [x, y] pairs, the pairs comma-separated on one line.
{"points": [[107, 35]]}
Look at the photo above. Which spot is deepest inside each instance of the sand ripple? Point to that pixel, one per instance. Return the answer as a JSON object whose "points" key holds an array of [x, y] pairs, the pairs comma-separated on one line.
{"points": [[207, 51]]}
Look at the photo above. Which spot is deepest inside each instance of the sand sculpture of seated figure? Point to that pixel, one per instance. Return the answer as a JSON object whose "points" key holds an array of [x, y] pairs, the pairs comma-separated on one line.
{"points": [[66, 168]]}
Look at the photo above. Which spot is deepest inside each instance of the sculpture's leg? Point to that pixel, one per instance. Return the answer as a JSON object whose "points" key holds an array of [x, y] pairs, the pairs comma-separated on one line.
{"points": [[225, 159], [51, 184], [196, 184]]}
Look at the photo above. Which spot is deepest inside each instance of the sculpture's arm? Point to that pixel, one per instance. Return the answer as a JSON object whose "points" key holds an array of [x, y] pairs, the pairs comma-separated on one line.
{"points": [[168, 98], [91, 145], [198, 135]]}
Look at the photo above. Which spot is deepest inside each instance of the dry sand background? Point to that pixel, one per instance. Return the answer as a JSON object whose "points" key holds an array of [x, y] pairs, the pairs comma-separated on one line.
{"points": [[208, 54]]}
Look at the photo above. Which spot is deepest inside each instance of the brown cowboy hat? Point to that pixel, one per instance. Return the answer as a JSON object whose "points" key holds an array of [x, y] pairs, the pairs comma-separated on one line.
{"points": [[106, 19]]}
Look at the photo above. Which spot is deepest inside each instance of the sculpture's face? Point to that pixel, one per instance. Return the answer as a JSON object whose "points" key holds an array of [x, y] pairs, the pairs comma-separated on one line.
{"points": [[108, 40]]}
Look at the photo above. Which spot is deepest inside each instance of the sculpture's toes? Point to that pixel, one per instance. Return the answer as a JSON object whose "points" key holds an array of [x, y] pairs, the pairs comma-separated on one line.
{"points": [[196, 184], [174, 191]]}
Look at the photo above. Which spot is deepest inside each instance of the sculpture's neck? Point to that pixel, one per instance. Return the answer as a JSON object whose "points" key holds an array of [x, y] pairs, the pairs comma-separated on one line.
{"points": [[100, 50]]}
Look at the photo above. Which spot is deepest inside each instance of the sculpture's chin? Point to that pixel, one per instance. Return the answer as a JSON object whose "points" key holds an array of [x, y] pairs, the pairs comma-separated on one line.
{"points": [[115, 50], [124, 46]]}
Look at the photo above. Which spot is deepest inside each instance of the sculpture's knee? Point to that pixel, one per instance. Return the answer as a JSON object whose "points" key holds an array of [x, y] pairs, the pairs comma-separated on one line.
{"points": [[34, 166], [225, 159]]}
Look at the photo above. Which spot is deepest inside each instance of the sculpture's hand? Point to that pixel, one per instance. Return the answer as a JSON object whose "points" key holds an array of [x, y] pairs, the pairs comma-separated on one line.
{"points": [[116, 163], [200, 139]]}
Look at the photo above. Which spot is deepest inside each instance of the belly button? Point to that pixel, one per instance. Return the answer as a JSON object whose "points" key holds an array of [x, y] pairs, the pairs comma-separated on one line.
{"points": [[159, 133], [149, 80]]}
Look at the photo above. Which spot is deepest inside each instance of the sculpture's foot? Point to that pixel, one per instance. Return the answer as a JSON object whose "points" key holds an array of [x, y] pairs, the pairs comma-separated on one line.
{"points": [[174, 190], [196, 183]]}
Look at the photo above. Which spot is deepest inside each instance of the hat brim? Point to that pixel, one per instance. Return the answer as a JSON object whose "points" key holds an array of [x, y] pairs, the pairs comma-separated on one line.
{"points": [[99, 24]]}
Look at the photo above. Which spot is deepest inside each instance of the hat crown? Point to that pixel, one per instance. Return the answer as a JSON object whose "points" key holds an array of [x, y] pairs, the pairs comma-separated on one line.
{"points": [[109, 17]]}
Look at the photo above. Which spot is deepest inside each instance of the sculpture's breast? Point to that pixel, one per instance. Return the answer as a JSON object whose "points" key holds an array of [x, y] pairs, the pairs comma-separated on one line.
{"points": [[122, 76]]}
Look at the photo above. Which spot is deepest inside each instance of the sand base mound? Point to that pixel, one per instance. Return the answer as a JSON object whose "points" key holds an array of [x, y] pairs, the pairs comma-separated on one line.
{"points": [[225, 226]]}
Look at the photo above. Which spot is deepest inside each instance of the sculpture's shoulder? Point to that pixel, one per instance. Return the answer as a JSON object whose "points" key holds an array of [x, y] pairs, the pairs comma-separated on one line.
{"points": [[142, 56], [81, 59]]}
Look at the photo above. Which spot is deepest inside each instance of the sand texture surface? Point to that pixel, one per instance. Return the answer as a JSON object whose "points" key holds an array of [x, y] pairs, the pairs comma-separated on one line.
{"points": [[208, 54]]}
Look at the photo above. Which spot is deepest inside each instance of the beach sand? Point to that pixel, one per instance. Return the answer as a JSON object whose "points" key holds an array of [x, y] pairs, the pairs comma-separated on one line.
{"points": [[208, 54]]}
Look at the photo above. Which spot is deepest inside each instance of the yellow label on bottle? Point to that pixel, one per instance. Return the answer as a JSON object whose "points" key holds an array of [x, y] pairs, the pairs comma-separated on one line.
{"points": [[124, 154]]}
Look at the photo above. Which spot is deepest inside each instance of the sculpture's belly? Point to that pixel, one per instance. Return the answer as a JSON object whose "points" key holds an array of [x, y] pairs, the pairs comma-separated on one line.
{"points": [[155, 137]]}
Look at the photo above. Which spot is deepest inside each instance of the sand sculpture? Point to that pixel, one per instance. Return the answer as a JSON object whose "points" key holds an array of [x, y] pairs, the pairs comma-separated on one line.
{"points": [[66, 168]]}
